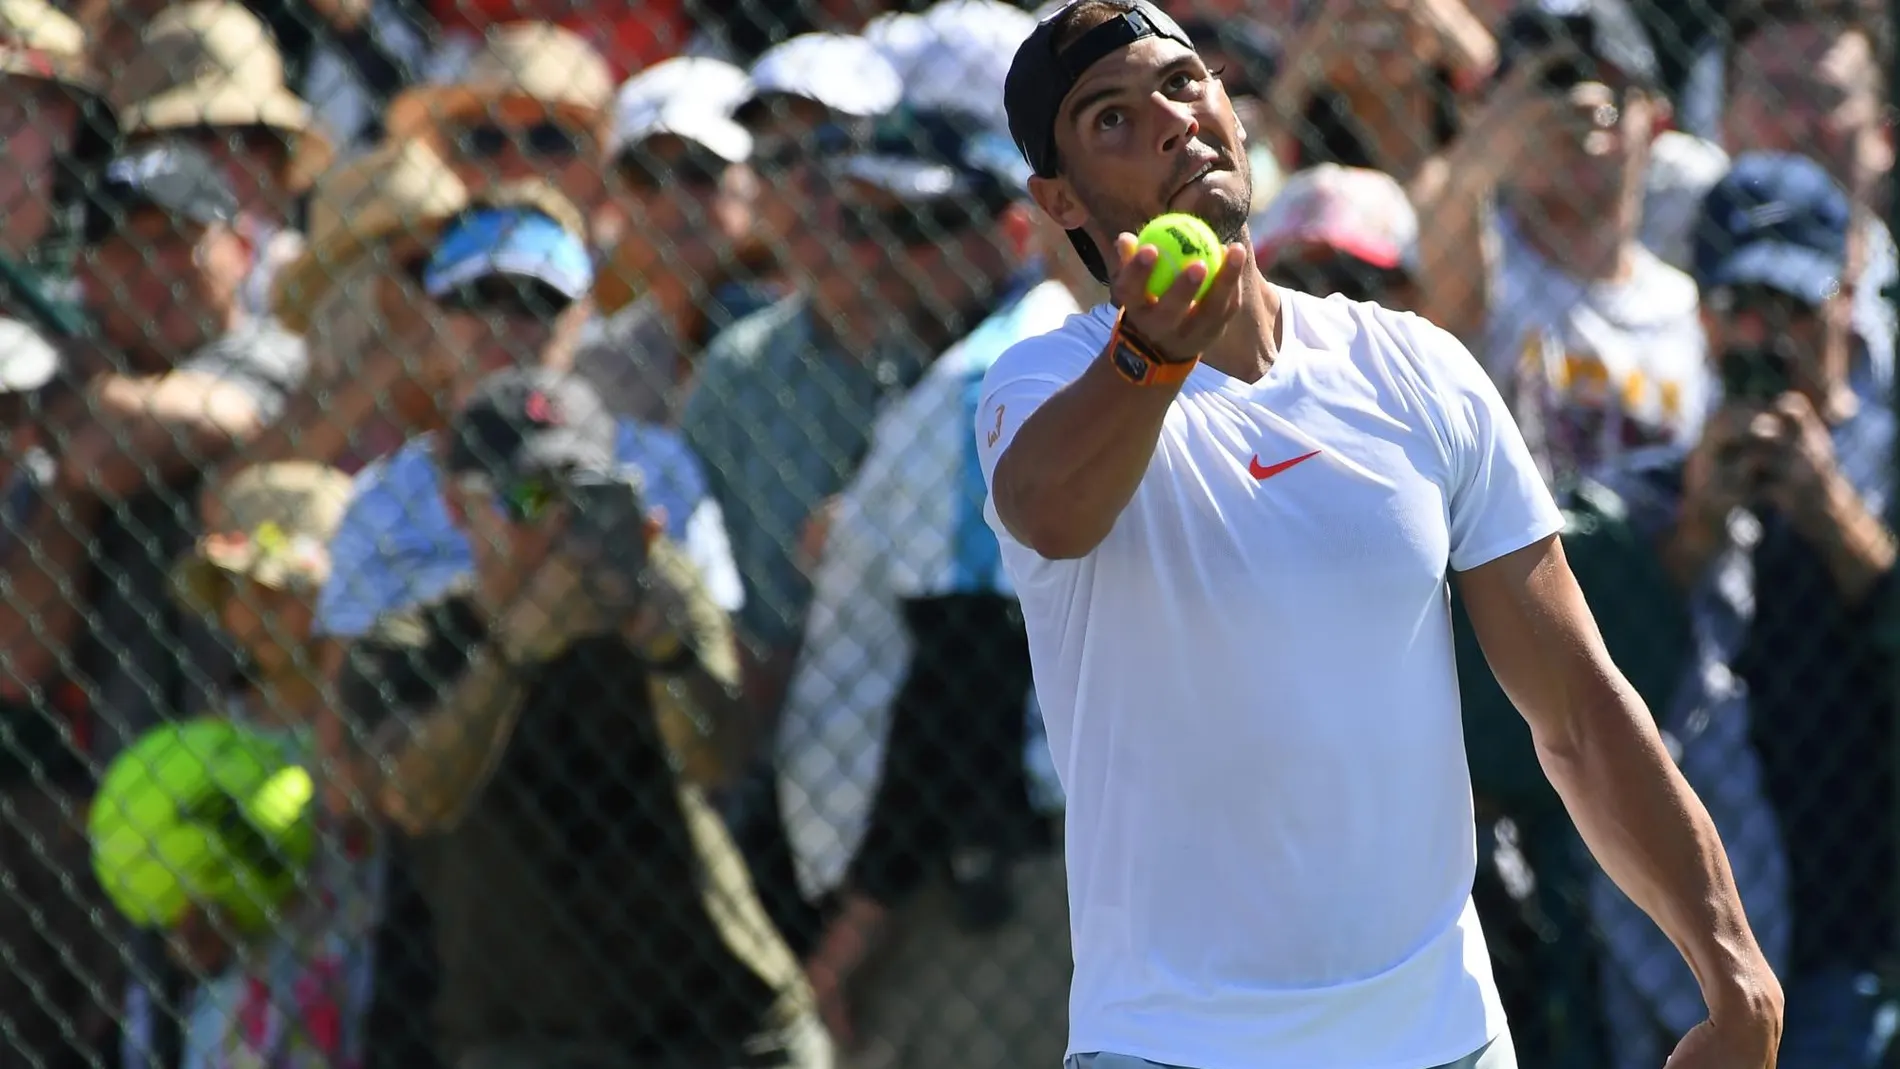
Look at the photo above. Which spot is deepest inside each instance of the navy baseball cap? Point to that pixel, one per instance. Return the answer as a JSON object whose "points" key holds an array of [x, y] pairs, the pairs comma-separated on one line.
{"points": [[1774, 220], [1606, 34], [923, 156], [1041, 76], [175, 178]]}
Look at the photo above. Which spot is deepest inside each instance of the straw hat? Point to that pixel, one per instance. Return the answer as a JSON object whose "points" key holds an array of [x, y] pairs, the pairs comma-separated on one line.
{"points": [[398, 190], [530, 65], [275, 530], [39, 42], [210, 63]]}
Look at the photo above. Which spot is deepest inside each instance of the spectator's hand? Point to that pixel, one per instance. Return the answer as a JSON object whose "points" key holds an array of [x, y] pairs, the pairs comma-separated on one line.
{"points": [[1520, 112], [553, 609], [1723, 470], [1800, 474], [1179, 327]]}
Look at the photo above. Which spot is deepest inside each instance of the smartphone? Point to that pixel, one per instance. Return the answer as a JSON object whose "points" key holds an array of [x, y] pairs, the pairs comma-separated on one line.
{"points": [[607, 537], [1755, 375]]}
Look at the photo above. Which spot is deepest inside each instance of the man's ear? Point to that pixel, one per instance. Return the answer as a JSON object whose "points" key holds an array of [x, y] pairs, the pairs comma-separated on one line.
{"points": [[1057, 198], [655, 524], [1016, 230]]}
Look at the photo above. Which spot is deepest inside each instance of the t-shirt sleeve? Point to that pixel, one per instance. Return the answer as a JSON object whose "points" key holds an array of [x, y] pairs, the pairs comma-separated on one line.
{"points": [[268, 364], [1498, 500], [360, 585], [1021, 380]]}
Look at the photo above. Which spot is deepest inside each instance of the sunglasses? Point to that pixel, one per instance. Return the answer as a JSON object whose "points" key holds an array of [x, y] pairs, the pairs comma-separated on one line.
{"points": [[1348, 276], [508, 297], [911, 225], [542, 140], [693, 169], [780, 154]]}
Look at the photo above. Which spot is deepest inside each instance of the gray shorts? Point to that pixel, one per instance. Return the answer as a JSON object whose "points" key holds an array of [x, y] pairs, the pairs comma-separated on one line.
{"points": [[1497, 1054]]}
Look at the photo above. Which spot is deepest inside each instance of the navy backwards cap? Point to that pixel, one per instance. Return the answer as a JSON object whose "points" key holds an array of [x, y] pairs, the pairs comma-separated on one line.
{"points": [[922, 155], [1607, 33], [1041, 76], [1775, 220]]}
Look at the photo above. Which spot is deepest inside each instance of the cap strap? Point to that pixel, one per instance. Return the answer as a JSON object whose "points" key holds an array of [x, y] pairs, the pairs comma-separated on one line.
{"points": [[1111, 36]]}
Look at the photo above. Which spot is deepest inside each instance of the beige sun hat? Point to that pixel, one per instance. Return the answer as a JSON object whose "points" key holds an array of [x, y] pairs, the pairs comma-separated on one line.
{"points": [[533, 66], [40, 42], [400, 190], [275, 530], [211, 63]]}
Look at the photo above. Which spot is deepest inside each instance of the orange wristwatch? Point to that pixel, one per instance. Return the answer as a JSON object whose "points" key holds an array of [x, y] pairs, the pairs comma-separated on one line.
{"points": [[1137, 361]]}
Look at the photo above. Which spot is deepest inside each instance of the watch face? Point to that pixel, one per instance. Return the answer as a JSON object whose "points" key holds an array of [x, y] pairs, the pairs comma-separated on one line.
{"points": [[1131, 363]]}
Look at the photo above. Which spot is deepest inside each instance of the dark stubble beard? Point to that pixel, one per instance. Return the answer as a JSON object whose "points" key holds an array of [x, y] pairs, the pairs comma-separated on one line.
{"points": [[1226, 214]]}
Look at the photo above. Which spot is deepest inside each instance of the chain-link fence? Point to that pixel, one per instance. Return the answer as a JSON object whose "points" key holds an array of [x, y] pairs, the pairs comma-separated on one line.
{"points": [[496, 572]]}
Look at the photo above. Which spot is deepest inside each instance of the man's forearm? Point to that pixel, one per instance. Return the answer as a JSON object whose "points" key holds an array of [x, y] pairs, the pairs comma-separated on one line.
{"points": [[693, 705], [423, 773], [1653, 837], [1855, 543], [1077, 461]]}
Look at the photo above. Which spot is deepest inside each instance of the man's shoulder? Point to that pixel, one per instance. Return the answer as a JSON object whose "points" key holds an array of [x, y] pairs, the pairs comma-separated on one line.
{"points": [[1060, 354], [745, 343]]}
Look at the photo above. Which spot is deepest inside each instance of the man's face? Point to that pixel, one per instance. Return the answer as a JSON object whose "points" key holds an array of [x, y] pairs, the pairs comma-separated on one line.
{"points": [[1590, 163], [254, 160], [505, 323], [687, 208], [165, 286], [1805, 89], [1148, 130], [516, 140], [507, 543], [790, 138], [913, 262], [38, 123], [1757, 335]]}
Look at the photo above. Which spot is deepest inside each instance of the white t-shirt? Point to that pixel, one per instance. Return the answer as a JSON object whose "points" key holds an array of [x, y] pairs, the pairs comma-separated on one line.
{"points": [[1252, 705], [1596, 369]]}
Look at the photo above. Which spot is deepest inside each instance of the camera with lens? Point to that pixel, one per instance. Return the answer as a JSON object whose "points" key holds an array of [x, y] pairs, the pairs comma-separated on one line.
{"points": [[606, 537]]}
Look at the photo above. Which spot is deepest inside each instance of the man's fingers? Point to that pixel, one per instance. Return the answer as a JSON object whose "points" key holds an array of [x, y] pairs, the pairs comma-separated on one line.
{"points": [[1130, 285], [1125, 245]]}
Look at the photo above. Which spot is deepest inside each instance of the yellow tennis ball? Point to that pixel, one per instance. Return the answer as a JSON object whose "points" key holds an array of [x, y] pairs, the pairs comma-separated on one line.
{"points": [[1182, 239]]}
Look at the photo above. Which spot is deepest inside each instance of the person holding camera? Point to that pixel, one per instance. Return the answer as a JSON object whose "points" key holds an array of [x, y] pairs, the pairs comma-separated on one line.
{"points": [[1792, 471], [589, 908]]}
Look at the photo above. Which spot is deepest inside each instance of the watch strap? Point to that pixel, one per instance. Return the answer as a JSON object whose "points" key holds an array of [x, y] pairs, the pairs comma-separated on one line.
{"points": [[1138, 362]]}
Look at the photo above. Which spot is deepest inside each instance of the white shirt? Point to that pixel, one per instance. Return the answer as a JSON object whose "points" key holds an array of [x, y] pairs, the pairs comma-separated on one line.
{"points": [[909, 525], [1596, 369], [1252, 705]]}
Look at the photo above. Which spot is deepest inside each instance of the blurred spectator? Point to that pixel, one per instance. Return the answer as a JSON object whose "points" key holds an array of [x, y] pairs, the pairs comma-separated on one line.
{"points": [[1810, 462], [1340, 230], [1375, 83], [811, 98], [931, 841], [590, 908], [208, 74], [291, 996], [1808, 78], [93, 646], [684, 265], [511, 276], [377, 379], [954, 54], [533, 101], [629, 35], [1593, 339], [53, 115]]}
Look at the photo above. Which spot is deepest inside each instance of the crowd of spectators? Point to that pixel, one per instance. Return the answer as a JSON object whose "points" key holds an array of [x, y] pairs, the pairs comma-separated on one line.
{"points": [[551, 424]]}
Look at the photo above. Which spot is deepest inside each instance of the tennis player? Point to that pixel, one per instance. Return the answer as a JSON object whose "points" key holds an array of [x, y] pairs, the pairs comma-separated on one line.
{"points": [[1231, 524]]}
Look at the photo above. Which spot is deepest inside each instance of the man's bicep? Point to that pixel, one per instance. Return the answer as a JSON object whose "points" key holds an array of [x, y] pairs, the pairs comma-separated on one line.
{"points": [[1005, 408], [1537, 634]]}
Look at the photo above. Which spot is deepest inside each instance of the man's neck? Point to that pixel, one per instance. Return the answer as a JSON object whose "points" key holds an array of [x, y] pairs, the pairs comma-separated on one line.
{"points": [[1252, 341], [1585, 250]]}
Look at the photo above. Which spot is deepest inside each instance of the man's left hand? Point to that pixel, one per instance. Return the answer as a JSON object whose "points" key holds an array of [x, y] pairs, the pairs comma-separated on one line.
{"points": [[551, 611], [1743, 1030]]}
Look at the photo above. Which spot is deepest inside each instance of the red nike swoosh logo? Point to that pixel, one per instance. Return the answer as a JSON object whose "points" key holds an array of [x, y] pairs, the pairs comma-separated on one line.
{"points": [[1268, 471]]}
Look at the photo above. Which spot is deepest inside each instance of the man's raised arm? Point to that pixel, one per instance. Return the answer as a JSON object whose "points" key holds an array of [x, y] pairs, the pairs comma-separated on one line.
{"points": [[1076, 461]]}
